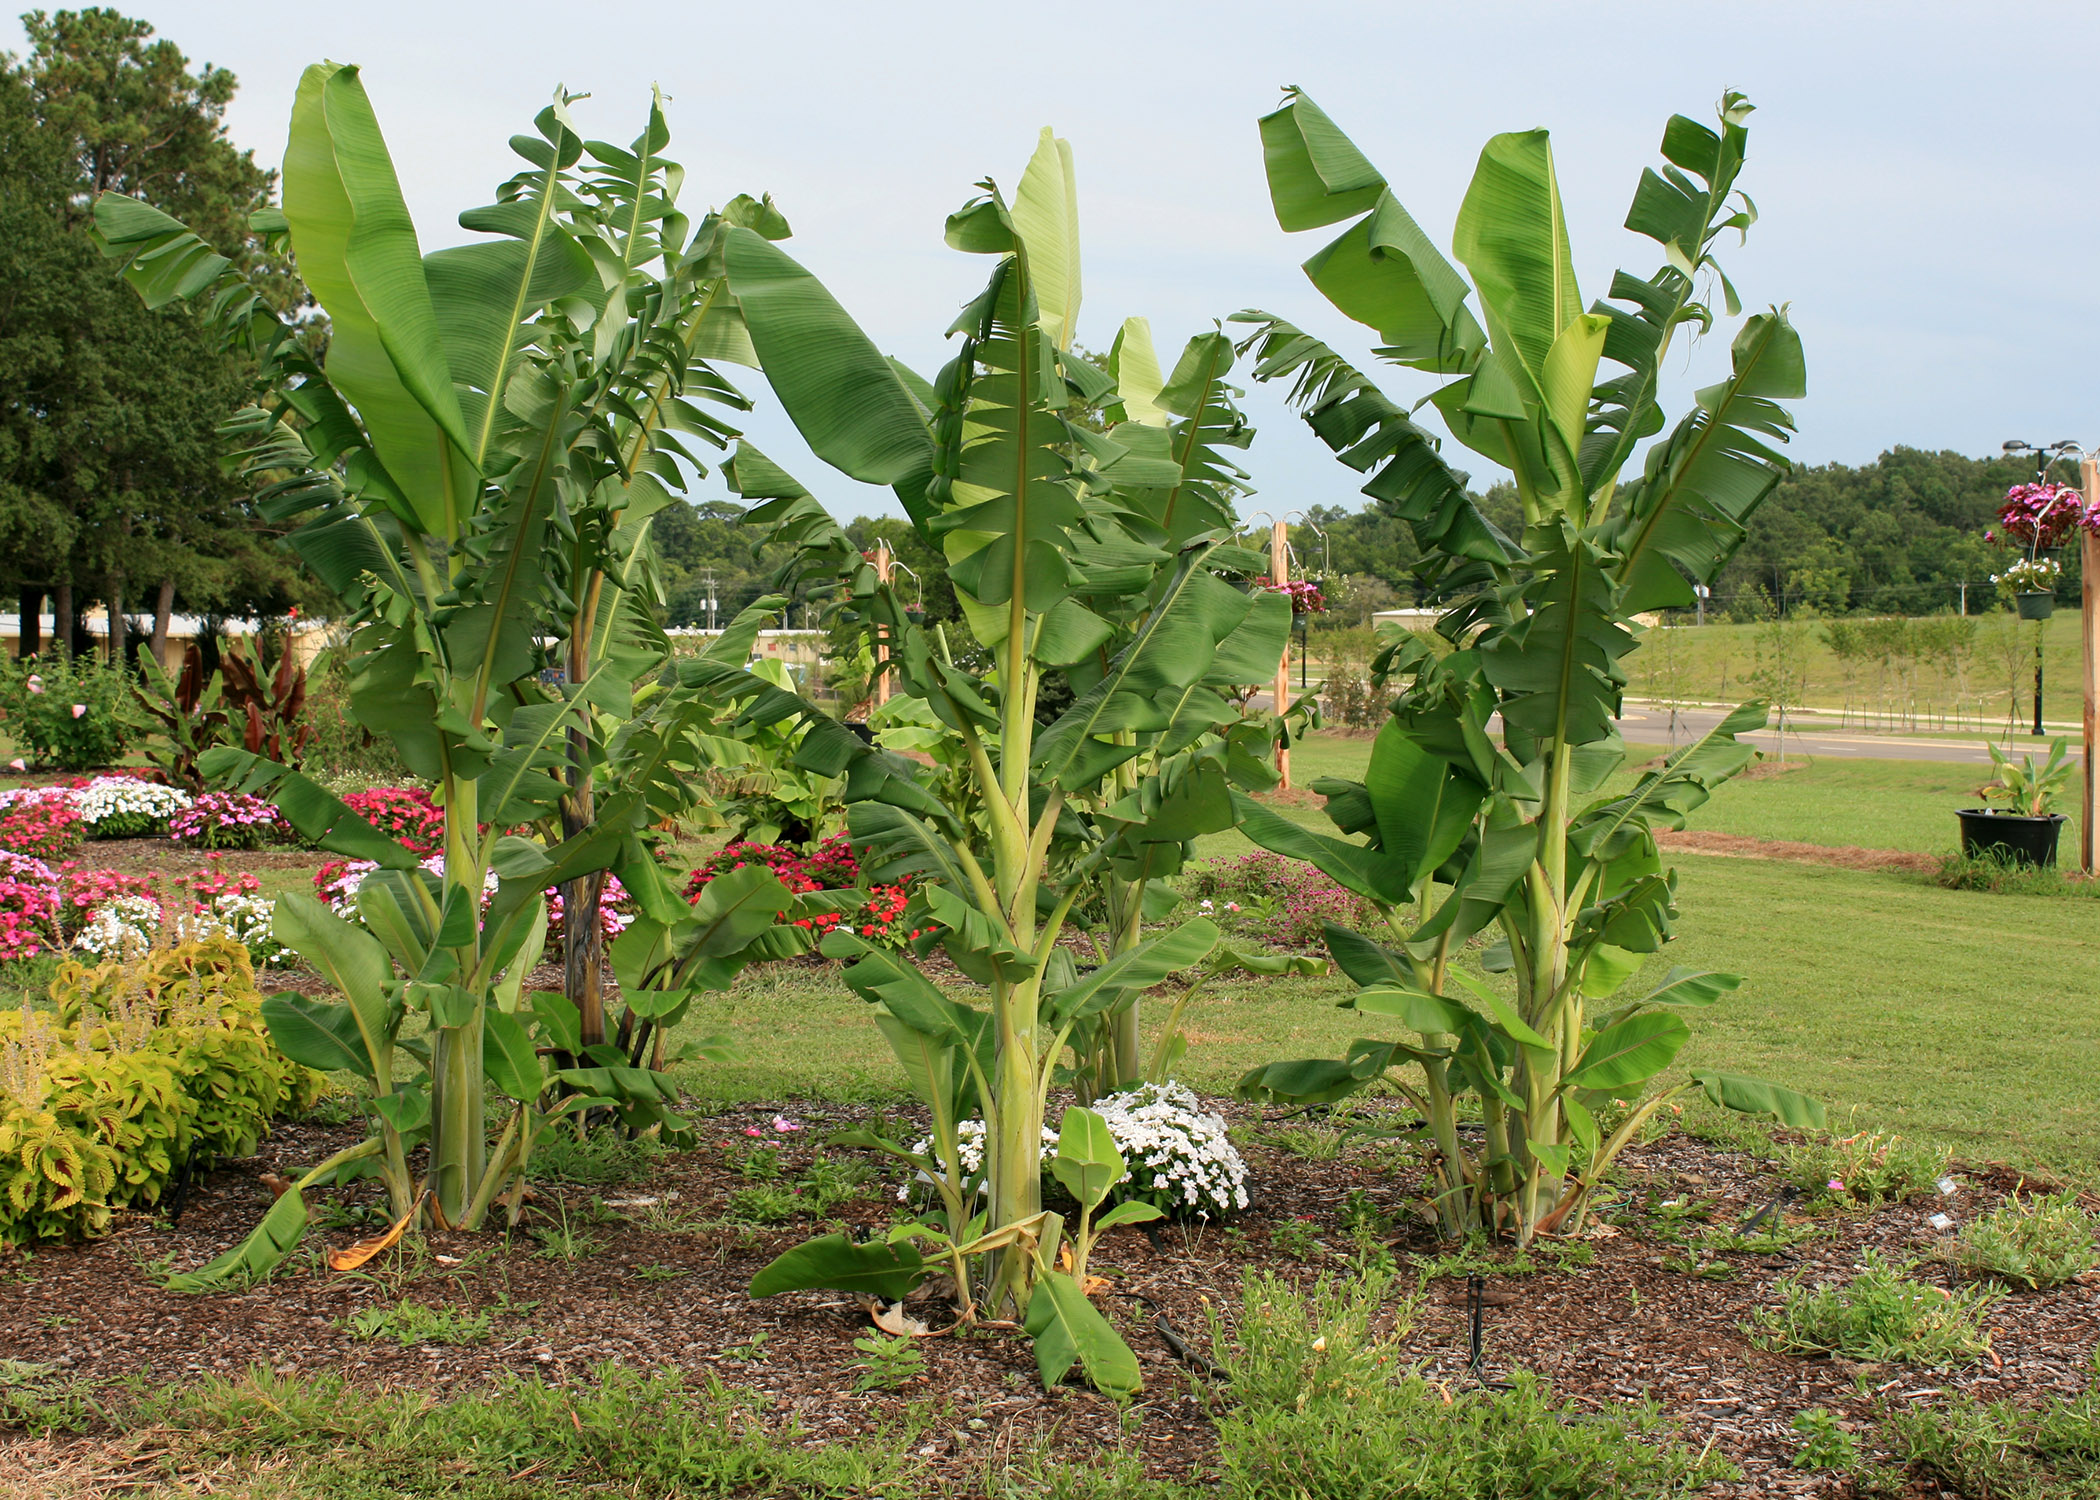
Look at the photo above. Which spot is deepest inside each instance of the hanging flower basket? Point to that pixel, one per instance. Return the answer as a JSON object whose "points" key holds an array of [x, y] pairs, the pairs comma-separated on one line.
{"points": [[2037, 606]]}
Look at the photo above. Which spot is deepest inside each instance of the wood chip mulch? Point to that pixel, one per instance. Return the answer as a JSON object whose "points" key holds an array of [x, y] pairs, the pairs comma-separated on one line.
{"points": [[663, 1287]]}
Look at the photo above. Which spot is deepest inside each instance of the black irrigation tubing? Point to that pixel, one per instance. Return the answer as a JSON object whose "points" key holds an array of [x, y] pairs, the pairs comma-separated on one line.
{"points": [[1178, 1346], [179, 1194], [1476, 1344]]}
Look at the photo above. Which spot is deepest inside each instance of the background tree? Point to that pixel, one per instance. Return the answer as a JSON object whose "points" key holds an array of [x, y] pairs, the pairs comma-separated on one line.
{"points": [[111, 485]]}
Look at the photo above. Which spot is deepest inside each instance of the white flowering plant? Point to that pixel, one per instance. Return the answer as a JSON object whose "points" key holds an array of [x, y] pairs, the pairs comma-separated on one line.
{"points": [[2030, 575], [127, 927], [122, 807], [1178, 1156]]}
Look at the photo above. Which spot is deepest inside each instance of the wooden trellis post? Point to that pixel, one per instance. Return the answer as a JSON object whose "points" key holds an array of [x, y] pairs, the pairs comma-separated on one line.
{"points": [[883, 559], [2089, 637], [1280, 571]]}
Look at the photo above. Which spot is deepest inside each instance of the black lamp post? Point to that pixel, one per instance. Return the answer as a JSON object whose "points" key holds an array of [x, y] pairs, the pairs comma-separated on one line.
{"points": [[2043, 458]]}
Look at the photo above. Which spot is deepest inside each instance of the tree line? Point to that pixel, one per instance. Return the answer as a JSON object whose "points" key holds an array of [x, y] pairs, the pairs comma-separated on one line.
{"points": [[114, 490]]}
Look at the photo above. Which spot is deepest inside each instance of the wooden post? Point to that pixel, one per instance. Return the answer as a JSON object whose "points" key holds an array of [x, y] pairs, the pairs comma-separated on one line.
{"points": [[2089, 635], [883, 559], [1280, 572]]}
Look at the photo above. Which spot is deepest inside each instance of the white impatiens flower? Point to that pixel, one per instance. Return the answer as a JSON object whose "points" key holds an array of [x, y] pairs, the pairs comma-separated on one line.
{"points": [[122, 806], [1194, 1167], [1177, 1156], [248, 919], [122, 927], [125, 927]]}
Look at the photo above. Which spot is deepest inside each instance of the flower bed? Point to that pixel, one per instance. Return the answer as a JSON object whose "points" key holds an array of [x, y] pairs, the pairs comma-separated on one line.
{"points": [[884, 917], [1284, 903], [111, 914], [228, 820], [338, 881]]}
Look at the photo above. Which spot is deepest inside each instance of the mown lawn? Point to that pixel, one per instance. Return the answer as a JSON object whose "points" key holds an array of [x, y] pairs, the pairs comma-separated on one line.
{"points": [[1970, 1019]]}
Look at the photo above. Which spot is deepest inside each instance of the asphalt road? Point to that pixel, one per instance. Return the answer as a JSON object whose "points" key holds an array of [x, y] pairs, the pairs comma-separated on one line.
{"points": [[1646, 725], [1651, 726]]}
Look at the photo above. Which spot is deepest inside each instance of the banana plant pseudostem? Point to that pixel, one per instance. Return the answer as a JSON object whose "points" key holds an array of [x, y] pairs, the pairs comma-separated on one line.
{"points": [[1485, 805]]}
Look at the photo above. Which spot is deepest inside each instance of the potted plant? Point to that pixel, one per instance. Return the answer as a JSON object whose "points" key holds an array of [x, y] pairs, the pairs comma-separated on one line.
{"points": [[2032, 583], [2041, 517], [2025, 830]]}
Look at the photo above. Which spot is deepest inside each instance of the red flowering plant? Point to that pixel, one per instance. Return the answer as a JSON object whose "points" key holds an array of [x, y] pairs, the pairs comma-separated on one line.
{"points": [[28, 918], [405, 812], [886, 915], [44, 826]]}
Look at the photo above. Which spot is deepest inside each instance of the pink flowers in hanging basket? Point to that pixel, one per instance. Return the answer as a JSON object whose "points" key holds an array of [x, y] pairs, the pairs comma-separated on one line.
{"points": [[2043, 515], [1304, 594]]}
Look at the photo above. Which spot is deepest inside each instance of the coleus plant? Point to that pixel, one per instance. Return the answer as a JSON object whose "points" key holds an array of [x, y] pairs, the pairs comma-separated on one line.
{"points": [[1487, 804]]}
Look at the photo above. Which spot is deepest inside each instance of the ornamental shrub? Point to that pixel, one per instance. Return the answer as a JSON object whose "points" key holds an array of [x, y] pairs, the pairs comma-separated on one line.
{"points": [[135, 1066], [73, 712], [228, 820]]}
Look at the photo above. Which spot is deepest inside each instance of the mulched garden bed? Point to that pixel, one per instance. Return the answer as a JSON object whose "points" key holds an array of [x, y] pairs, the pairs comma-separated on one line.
{"points": [[663, 1287]]}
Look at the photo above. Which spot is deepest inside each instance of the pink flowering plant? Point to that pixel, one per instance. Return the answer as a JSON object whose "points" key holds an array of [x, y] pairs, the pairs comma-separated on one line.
{"points": [[228, 820], [1305, 594], [1283, 903], [2042, 516], [44, 824]]}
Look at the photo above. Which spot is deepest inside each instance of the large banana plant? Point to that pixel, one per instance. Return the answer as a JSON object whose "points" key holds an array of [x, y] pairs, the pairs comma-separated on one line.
{"points": [[1486, 805], [1071, 550], [492, 425]]}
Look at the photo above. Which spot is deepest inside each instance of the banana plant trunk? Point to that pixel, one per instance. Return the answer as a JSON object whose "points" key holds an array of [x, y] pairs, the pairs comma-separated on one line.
{"points": [[458, 1143], [583, 944]]}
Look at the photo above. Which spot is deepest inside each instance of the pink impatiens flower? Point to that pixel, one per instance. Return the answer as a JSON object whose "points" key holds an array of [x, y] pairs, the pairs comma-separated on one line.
{"points": [[79, 709], [783, 1124], [36, 683], [1837, 1185]]}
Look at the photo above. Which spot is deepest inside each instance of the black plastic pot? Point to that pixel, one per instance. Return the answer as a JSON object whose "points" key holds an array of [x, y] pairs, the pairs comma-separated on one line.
{"points": [[2012, 836], [2036, 606]]}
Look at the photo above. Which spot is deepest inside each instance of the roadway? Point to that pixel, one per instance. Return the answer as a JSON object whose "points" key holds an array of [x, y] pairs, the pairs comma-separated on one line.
{"points": [[1646, 724]]}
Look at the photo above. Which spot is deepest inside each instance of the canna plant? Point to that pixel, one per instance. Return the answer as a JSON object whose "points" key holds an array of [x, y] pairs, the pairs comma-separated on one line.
{"points": [[441, 459], [1486, 807], [1069, 555]]}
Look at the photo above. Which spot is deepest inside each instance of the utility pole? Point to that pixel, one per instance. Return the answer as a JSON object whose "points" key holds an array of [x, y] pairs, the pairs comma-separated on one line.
{"points": [[709, 582], [1280, 572], [883, 561]]}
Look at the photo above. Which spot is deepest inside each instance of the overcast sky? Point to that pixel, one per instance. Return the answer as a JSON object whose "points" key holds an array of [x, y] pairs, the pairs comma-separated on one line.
{"points": [[1926, 172]]}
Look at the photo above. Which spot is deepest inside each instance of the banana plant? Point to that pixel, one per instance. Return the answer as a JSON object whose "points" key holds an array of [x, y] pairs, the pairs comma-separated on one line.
{"points": [[1050, 561], [1486, 804], [440, 459]]}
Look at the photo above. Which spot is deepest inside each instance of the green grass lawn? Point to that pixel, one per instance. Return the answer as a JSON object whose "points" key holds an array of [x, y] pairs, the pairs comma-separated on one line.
{"points": [[1876, 804], [1971, 1020]]}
